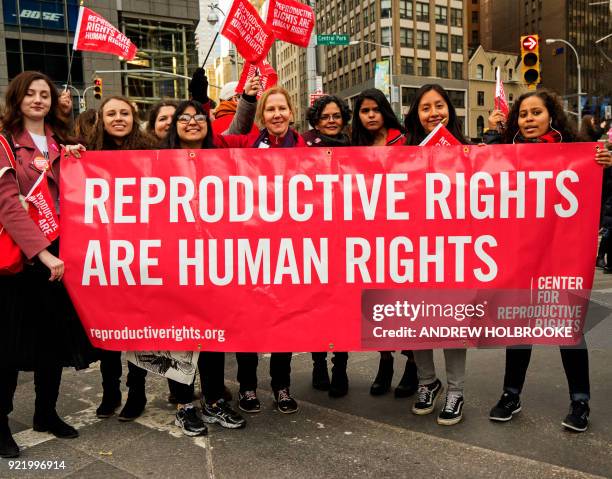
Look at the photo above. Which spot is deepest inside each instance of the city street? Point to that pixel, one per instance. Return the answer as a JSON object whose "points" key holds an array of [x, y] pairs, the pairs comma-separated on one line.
{"points": [[356, 436]]}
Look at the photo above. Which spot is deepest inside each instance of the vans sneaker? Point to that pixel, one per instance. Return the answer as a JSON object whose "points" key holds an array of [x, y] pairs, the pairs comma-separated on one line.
{"points": [[452, 412], [427, 394]]}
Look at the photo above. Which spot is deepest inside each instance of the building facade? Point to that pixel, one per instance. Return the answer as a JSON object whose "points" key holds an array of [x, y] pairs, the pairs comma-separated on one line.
{"points": [[38, 35], [482, 81], [576, 21], [428, 41]]}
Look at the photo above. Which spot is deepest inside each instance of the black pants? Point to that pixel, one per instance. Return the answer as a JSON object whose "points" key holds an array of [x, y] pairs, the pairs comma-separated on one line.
{"points": [[111, 368], [211, 366], [340, 359], [575, 363], [280, 371], [46, 385]]}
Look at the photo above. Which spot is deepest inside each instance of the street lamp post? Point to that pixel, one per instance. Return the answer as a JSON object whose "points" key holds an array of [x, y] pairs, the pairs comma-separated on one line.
{"points": [[549, 41], [390, 47], [213, 19]]}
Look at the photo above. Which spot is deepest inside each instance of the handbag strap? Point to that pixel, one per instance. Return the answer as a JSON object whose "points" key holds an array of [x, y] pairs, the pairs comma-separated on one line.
{"points": [[8, 149]]}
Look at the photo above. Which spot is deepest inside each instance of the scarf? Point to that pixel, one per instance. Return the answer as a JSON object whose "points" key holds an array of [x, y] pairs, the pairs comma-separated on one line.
{"points": [[551, 136], [316, 138], [288, 141]]}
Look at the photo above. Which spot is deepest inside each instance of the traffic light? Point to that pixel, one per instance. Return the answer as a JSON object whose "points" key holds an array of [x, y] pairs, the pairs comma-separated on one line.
{"points": [[530, 60], [98, 88]]}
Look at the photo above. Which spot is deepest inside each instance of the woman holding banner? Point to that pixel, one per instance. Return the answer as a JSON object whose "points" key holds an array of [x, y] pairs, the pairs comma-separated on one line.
{"points": [[41, 331], [430, 107], [375, 124], [329, 116], [275, 114], [538, 117]]}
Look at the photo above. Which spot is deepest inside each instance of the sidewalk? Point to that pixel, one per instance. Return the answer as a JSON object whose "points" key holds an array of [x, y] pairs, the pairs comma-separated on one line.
{"points": [[355, 436]]}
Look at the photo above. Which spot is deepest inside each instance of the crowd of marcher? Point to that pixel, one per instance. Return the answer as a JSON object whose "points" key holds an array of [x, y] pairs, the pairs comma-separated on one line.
{"points": [[42, 332]]}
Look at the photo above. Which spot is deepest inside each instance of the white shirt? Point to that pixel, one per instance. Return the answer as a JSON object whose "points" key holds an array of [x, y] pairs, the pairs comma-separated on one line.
{"points": [[41, 143]]}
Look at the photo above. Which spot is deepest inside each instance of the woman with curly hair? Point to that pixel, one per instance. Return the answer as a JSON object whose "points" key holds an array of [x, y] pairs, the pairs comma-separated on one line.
{"points": [[538, 117], [329, 117]]}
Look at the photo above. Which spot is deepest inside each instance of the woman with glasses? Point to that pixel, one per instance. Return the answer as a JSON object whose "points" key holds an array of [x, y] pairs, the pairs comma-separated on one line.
{"points": [[329, 117]]}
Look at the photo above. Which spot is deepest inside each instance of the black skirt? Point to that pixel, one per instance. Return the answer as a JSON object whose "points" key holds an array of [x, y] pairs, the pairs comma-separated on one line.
{"points": [[38, 323]]}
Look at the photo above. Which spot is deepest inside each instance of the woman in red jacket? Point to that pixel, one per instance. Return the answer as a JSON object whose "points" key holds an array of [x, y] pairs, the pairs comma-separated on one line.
{"points": [[41, 331], [374, 123], [275, 115]]}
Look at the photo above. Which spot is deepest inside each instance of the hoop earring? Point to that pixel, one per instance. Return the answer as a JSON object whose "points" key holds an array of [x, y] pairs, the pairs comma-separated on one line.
{"points": [[515, 135], [554, 129]]}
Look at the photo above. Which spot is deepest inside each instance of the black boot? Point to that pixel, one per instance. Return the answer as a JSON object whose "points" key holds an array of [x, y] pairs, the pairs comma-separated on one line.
{"points": [[409, 383], [49, 421], [320, 376], [8, 446], [111, 400], [135, 404], [382, 382], [339, 382]]}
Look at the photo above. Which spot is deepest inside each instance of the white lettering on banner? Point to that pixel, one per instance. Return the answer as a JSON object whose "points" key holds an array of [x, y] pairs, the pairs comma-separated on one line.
{"points": [[262, 268], [359, 259], [380, 194]]}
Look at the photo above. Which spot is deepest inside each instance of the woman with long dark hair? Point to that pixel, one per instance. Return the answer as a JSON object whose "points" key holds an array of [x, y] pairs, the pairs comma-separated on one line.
{"points": [[191, 128], [160, 118], [538, 117], [41, 331], [432, 106], [374, 123]]}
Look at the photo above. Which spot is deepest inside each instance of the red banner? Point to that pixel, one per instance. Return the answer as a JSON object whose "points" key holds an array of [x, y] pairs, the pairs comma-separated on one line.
{"points": [[245, 29], [95, 34], [342, 249], [42, 209], [291, 21], [267, 76]]}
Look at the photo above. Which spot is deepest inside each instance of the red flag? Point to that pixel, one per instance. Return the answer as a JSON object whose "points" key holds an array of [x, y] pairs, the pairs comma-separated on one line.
{"points": [[500, 94], [41, 208], [245, 29], [292, 21], [95, 34], [440, 136], [267, 76]]}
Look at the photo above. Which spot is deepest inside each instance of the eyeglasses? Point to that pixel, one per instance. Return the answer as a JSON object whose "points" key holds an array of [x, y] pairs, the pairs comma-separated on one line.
{"points": [[186, 118], [335, 116]]}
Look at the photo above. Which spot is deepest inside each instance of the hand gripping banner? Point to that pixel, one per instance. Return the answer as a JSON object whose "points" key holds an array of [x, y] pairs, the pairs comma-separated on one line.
{"points": [[345, 249]]}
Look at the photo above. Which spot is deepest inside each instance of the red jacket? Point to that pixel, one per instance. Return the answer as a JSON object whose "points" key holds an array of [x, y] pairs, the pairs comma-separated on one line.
{"points": [[13, 217], [248, 141], [395, 138]]}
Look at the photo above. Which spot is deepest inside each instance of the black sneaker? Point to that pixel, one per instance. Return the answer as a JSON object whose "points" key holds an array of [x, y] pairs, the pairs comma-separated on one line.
{"points": [[578, 417], [221, 413], [248, 402], [8, 446], [51, 422], [427, 394], [509, 404], [188, 419], [284, 402], [452, 412]]}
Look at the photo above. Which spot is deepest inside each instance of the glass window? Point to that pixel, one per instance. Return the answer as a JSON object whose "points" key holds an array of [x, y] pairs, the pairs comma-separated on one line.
{"points": [[456, 44], [441, 42], [385, 35], [457, 98], [457, 70], [422, 12], [479, 126], [405, 9], [442, 68], [408, 95], [424, 69], [480, 98], [406, 37], [385, 8], [479, 72], [422, 39], [456, 17], [407, 66], [441, 15]]}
